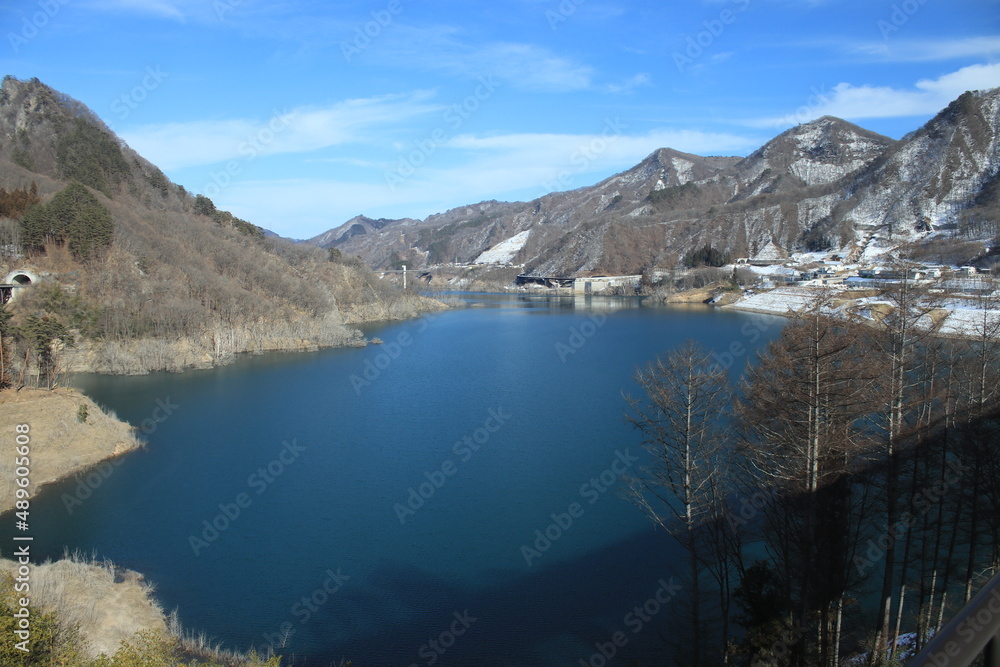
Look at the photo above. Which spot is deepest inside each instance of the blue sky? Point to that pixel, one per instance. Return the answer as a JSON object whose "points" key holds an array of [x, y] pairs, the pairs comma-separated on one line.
{"points": [[299, 114]]}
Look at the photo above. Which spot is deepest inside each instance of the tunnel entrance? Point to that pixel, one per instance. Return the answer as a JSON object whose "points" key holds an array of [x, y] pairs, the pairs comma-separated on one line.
{"points": [[15, 280]]}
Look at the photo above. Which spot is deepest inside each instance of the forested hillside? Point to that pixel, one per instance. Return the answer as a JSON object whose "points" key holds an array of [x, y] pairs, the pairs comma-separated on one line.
{"points": [[135, 273]]}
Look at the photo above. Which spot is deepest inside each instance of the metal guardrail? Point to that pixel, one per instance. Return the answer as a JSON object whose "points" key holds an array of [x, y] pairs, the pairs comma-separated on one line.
{"points": [[974, 631]]}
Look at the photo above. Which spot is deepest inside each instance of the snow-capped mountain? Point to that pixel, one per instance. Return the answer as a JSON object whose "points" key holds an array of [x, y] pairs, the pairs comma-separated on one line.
{"points": [[823, 183]]}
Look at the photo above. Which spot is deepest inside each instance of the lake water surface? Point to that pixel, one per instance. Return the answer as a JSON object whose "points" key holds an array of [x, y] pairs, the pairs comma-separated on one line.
{"points": [[390, 496]]}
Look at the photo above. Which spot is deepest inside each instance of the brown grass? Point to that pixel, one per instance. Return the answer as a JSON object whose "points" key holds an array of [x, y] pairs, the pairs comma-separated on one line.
{"points": [[109, 604], [59, 444]]}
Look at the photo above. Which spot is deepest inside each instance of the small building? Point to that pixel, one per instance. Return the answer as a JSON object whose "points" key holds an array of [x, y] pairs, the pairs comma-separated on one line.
{"points": [[880, 273], [923, 273], [861, 282], [617, 284], [823, 281]]}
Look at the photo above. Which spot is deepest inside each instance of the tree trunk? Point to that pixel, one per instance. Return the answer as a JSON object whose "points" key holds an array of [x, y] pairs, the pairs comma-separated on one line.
{"points": [[837, 630]]}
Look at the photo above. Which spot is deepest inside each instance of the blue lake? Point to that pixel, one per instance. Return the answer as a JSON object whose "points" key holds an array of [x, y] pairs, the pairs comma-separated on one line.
{"points": [[388, 497]]}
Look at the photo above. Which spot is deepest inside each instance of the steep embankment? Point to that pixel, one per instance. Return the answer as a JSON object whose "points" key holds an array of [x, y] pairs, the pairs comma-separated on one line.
{"points": [[107, 604], [67, 433]]}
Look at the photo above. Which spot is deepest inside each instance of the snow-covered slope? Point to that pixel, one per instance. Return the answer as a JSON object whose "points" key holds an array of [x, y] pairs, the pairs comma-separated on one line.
{"points": [[815, 153], [827, 183], [505, 251], [934, 173]]}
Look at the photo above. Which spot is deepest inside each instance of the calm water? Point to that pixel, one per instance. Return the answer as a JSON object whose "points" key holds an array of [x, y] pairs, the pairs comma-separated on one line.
{"points": [[496, 417]]}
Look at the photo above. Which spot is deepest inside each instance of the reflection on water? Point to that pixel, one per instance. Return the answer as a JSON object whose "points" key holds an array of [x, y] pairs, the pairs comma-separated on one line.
{"points": [[581, 302]]}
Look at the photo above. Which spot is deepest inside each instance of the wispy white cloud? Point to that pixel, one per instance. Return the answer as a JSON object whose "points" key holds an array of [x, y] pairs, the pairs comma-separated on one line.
{"points": [[974, 77], [528, 66], [270, 15], [300, 130], [927, 96], [170, 9], [467, 168], [617, 147], [351, 162], [594, 11], [629, 84], [400, 43], [449, 50], [928, 50]]}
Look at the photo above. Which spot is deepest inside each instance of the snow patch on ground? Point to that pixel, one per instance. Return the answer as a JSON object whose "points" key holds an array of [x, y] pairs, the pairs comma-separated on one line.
{"points": [[961, 317], [818, 173], [683, 169], [811, 211], [777, 301], [812, 257], [505, 251], [968, 322], [876, 249]]}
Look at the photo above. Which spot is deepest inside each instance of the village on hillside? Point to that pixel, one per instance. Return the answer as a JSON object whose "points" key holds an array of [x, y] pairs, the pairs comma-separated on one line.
{"points": [[956, 300]]}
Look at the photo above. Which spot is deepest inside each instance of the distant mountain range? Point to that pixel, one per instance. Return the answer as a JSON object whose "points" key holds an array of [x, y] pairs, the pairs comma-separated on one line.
{"points": [[826, 183]]}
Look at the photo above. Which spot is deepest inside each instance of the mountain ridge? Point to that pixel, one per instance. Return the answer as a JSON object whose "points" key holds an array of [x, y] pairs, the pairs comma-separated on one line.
{"points": [[827, 182]]}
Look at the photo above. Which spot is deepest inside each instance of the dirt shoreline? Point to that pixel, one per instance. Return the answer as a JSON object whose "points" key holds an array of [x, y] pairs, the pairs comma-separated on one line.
{"points": [[67, 433]]}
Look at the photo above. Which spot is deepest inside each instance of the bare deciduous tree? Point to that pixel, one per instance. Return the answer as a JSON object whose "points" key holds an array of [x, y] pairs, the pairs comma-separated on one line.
{"points": [[682, 420], [800, 424]]}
